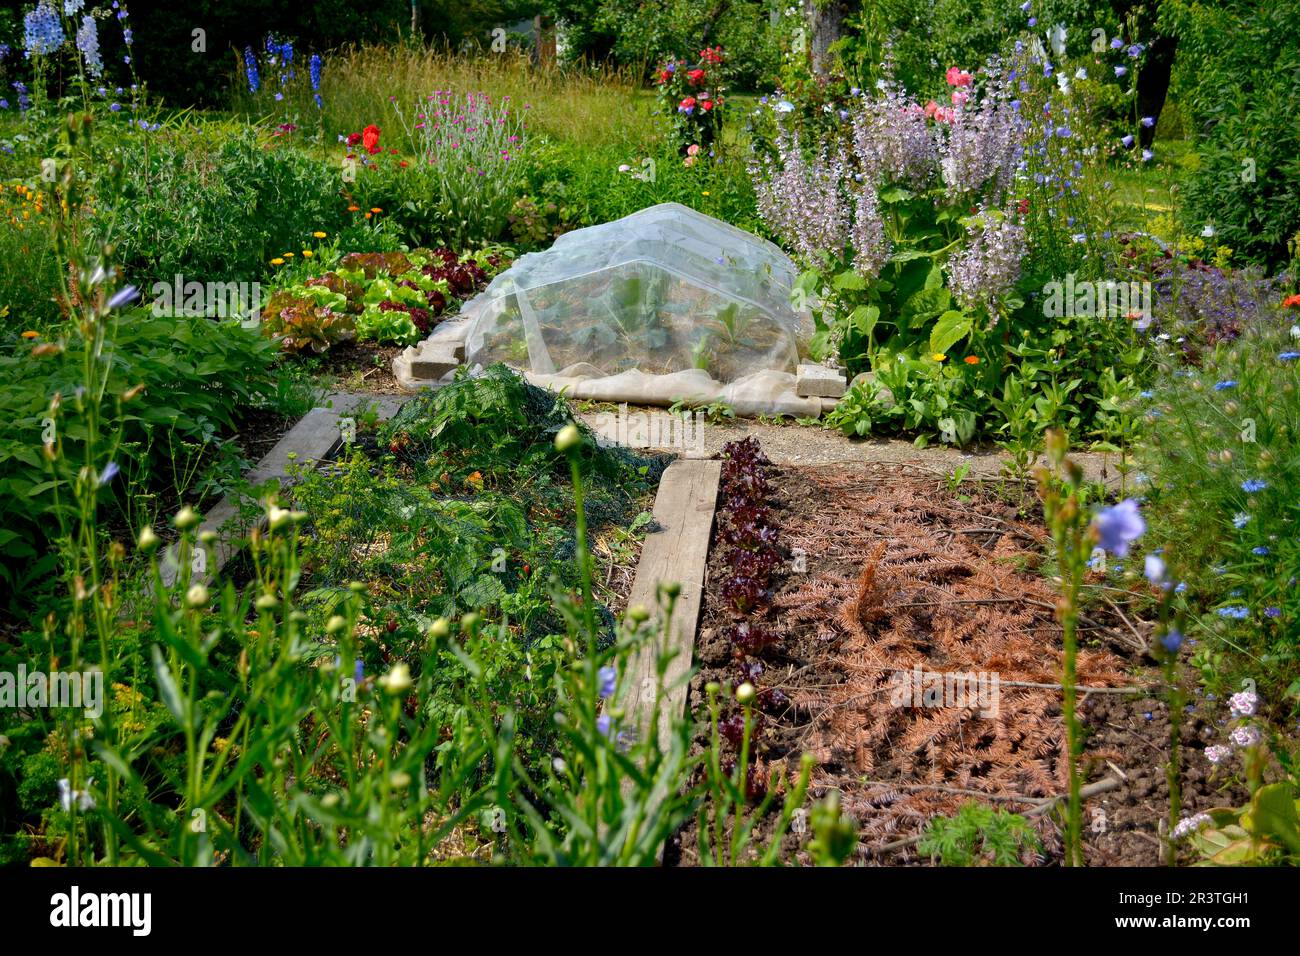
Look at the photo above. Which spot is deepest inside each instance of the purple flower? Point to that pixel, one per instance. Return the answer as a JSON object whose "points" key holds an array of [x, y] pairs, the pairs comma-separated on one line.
{"points": [[1127, 141], [608, 677], [359, 671], [1272, 612], [1147, 155], [1244, 704], [1117, 527], [122, 296], [109, 473], [1148, 121], [115, 107], [1121, 70], [1154, 569], [1217, 753], [1172, 640], [604, 725]]}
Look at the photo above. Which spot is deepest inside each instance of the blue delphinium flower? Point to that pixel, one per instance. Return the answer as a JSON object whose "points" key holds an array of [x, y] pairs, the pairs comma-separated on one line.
{"points": [[608, 678], [42, 30], [250, 70], [314, 68], [1119, 526], [1252, 485], [88, 45]]}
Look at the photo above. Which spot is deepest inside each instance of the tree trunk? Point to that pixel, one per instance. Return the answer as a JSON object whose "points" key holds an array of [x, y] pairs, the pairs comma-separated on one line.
{"points": [[825, 26], [1153, 83]]}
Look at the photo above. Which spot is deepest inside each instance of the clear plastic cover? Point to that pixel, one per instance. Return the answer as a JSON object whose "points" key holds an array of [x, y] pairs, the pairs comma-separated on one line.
{"points": [[662, 305]]}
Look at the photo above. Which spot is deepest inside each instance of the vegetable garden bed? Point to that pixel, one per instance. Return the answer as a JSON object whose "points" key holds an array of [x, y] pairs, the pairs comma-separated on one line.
{"points": [[885, 582]]}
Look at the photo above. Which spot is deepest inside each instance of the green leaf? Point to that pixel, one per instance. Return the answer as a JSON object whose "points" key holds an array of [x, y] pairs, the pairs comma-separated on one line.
{"points": [[864, 318], [849, 280], [951, 328]]}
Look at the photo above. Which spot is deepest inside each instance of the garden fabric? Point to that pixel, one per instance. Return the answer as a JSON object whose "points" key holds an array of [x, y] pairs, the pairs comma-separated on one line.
{"points": [[664, 305]]}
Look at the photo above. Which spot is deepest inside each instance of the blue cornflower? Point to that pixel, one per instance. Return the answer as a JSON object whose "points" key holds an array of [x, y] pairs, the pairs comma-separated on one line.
{"points": [[1261, 551], [1240, 520], [1288, 356], [1252, 485], [608, 677], [1226, 384], [1119, 526]]}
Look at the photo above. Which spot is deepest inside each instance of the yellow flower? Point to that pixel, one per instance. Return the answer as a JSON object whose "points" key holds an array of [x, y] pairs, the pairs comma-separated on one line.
{"points": [[307, 253], [277, 261], [939, 357], [287, 255], [375, 209], [29, 334], [704, 192], [320, 235]]}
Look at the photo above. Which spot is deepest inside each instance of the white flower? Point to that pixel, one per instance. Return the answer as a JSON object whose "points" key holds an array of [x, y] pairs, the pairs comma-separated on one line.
{"points": [[1080, 74], [1295, 331], [68, 796], [1208, 231], [1245, 736], [1244, 704], [1189, 825], [1217, 753]]}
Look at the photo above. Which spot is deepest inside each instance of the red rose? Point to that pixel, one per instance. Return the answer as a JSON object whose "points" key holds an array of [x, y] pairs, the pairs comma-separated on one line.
{"points": [[696, 77], [688, 103], [354, 138], [370, 139], [706, 105]]}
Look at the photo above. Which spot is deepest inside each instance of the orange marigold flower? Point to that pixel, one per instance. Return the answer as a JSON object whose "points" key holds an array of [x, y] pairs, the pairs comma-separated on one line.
{"points": [[29, 334], [375, 209], [972, 360], [1290, 302], [354, 208]]}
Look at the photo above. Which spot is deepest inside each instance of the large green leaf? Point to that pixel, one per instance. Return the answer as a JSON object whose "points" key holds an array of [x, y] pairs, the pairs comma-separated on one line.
{"points": [[951, 328]]}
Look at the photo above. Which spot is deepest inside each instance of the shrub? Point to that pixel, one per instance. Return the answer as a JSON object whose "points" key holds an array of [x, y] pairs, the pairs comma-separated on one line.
{"points": [[216, 201], [1235, 73]]}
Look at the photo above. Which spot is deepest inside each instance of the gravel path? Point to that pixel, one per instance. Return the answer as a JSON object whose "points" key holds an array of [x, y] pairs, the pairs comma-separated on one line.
{"points": [[808, 445]]}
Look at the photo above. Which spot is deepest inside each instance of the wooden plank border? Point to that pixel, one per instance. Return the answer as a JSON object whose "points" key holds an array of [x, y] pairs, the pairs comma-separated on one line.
{"points": [[676, 551], [316, 437]]}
